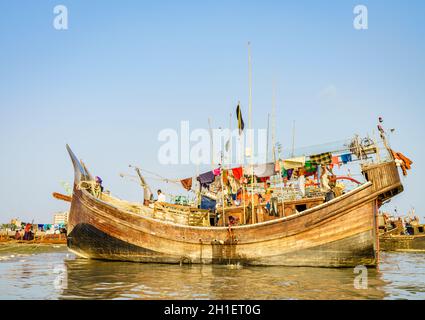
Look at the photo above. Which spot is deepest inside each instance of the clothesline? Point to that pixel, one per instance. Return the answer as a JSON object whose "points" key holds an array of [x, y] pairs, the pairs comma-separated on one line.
{"points": [[324, 158]]}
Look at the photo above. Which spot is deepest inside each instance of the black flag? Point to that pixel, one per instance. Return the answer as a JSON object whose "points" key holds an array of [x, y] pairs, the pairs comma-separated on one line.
{"points": [[241, 125]]}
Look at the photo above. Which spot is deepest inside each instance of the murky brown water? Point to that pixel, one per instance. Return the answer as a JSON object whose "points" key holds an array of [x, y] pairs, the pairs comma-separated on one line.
{"points": [[51, 272]]}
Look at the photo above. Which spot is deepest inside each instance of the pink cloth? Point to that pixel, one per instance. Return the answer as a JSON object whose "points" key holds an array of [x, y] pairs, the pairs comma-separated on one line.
{"points": [[217, 171]]}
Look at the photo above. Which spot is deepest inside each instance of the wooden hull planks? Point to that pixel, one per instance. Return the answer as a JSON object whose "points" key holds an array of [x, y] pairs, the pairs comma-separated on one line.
{"points": [[402, 243], [338, 233]]}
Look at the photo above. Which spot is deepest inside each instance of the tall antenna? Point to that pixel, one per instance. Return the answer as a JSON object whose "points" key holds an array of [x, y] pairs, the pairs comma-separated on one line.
{"points": [[274, 122], [211, 143], [250, 131], [230, 151], [268, 134], [293, 138]]}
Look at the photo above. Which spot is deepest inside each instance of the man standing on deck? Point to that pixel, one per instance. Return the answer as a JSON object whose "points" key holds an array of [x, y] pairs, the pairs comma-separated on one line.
{"points": [[161, 196]]}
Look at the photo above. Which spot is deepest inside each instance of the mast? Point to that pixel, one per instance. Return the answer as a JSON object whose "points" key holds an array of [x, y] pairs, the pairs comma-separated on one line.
{"points": [[250, 131], [268, 134], [230, 151], [274, 122], [222, 188], [147, 192], [211, 143], [293, 138]]}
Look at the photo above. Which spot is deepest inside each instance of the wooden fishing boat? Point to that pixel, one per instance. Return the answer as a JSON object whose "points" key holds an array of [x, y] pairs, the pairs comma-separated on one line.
{"points": [[339, 233], [396, 236]]}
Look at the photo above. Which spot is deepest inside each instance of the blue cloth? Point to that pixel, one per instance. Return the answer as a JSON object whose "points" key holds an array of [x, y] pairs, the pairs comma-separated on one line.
{"points": [[319, 172], [207, 203], [346, 158]]}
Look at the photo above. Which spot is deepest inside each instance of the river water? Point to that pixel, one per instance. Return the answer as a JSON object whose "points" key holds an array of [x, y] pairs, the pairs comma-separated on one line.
{"points": [[51, 272]]}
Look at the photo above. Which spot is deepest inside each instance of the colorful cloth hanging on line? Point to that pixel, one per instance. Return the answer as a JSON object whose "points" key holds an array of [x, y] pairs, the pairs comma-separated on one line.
{"points": [[335, 161], [217, 171], [187, 183], [345, 158], [262, 170], [207, 203], [205, 179], [237, 173], [225, 176], [322, 158], [294, 163], [310, 167], [402, 161]]}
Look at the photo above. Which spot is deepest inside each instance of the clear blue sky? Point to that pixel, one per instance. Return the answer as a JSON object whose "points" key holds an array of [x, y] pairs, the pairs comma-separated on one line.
{"points": [[124, 70]]}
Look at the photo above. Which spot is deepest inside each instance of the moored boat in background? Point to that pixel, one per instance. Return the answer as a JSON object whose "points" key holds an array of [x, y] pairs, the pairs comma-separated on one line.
{"points": [[401, 234]]}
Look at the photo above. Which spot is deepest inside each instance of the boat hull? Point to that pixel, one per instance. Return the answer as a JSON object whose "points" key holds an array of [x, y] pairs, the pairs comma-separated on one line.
{"points": [[402, 243], [338, 233], [89, 242]]}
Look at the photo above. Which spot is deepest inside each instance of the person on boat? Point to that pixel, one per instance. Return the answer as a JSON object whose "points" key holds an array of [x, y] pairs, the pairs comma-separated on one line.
{"points": [[233, 221], [238, 200], [324, 183], [161, 196], [99, 183]]}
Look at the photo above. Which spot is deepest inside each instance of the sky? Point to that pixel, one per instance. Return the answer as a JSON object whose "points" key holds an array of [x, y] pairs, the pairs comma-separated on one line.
{"points": [[125, 70]]}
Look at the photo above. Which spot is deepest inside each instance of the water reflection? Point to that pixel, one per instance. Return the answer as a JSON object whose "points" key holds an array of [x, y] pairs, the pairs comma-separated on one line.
{"points": [[54, 273], [117, 280]]}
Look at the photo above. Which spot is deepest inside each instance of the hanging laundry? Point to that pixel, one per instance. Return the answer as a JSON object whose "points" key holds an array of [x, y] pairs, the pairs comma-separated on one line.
{"points": [[225, 176], [264, 179], [335, 161], [263, 170], [205, 179], [310, 167], [318, 175], [208, 203], [217, 171], [346, 158], [187, 183], [301, 172], [237, 173], [322, 158], [294, 163], [290, 171], [402, 161]]}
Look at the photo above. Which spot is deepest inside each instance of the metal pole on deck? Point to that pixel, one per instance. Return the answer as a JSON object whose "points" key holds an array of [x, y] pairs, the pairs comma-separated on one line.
{"points": [[254, 220]]}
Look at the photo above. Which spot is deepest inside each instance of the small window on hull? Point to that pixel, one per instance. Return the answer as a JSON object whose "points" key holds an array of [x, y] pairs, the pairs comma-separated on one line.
{"points": [[301, 207]]}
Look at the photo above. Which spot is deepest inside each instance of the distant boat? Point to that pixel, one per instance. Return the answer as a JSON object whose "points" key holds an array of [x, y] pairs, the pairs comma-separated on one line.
{"points": [[398, 236], [339, 233]]}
